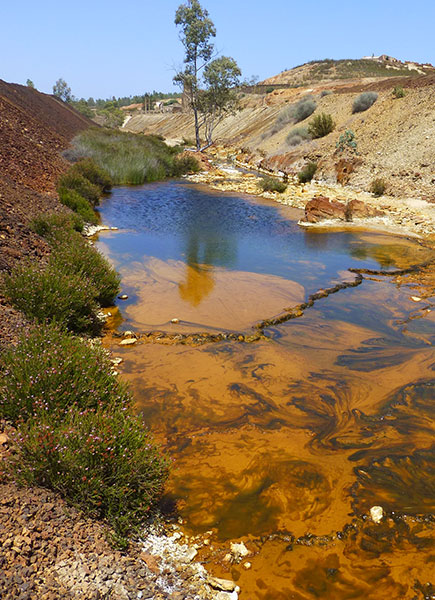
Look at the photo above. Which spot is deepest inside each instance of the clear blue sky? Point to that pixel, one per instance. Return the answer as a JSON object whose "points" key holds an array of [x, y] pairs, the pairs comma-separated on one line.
{"points": [[126, 47]]}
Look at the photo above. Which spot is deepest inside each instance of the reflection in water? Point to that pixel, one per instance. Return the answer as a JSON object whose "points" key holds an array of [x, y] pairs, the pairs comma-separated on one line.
{"points": [[287, 443]]}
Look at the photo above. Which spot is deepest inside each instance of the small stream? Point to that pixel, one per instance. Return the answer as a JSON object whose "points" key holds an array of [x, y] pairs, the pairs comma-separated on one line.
{"points": [[284, 443]]}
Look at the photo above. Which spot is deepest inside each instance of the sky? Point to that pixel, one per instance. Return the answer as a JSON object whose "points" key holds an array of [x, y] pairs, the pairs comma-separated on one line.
{"points": [[129, 47]]}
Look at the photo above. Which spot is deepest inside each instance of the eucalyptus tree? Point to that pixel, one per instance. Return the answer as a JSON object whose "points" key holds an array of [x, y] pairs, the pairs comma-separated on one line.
{"points": [[211, 100]]}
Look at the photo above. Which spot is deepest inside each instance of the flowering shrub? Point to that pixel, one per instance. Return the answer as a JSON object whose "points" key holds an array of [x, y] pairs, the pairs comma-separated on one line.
{"points": [[78, 204], [75, 257], [51, 370], [45, 293], [103, 461]]}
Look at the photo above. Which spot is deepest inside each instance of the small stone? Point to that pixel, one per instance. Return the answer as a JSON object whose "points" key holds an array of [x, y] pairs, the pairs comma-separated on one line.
{"points": [[123, 297], [128, 334], [114, 228], [239, 550], [228, 557], [376, 514], [175, 320], [247, 565], [116, 361], [226, 585], [415, 298], [128, 342]]}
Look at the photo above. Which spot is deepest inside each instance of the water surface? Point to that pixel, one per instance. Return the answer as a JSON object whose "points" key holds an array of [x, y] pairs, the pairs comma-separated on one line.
{"points": [[287, 442]]}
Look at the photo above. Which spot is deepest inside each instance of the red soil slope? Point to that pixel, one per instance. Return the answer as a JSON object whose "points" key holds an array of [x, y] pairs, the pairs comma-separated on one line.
{"points": [[34, 129]]}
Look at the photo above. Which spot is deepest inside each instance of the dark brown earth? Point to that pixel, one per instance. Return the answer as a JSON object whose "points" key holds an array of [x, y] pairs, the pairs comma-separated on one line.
{"points": [[34, 129]]}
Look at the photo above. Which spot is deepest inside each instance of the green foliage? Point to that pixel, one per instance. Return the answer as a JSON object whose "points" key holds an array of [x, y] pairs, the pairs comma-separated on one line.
{"points": [[294, 113], [272, 184], [324, 93], [78, 204], [73, 180], [297, 136], [49, 225], [127, 157], [378, 186], [103, 461], [307, 173], [50, 371], [62, 91], [75, 431], [82, 107], [75, 257], [304, 108], [399, 92], [45, 293], [347, 141], [269, 90], [95, 174], [30, 84], [197, 29], [72, 255], [364, 101], [185, 164], [321, 125]]}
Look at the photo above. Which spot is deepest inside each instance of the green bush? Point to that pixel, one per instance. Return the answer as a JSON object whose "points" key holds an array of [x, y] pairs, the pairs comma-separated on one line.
{"points": [[51, 226], [185, 164], [51, 370], [378, 186], [128, 158], [307, 172], [45, 293], [78, 204], [324, 93], [272, 184], [102, 461], [297, 136], [95, 174], [304, 108], [364, 101], [76, 257], [399, 92], [72, 180], [347, 141], [321, 125]]}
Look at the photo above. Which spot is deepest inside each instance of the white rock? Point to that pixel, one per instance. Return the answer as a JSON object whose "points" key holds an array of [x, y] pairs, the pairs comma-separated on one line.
{"points": [[247, 565], [116, 361], [239, 550], [415, 298], [175, 320], [128, 334], [226, 585], [228, 557], [113, 229], [376, 514], [123, 297], [128, 342]]}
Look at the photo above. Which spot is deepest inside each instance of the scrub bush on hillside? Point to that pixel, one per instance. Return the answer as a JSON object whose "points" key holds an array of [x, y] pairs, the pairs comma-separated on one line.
{"points": [[51, 370], [364, 101]]}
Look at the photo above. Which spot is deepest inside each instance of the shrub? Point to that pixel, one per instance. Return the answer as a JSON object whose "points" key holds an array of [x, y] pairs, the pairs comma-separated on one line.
{"points": [[185, 164], [321, 125], [50, 226], [307, 172], [364, 101], [95, 174], [269, 90], [347, 141], [272, 184], [324, 93], [78, 204], [297, 136], [102, 461], [51, 370], [399, 92], [76, 258], [304, 108], [378, 186], [45, 293], [127, 157], [72, 180]]}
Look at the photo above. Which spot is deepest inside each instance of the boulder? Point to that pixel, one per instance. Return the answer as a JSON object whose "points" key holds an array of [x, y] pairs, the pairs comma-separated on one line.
{"points": [[322, 208], [360, 210]]}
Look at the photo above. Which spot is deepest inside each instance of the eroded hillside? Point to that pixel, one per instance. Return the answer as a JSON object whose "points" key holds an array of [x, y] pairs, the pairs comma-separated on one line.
{"points": [[394, 136]]}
